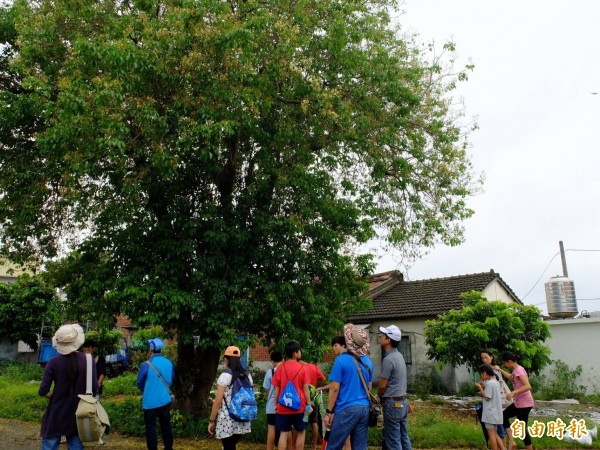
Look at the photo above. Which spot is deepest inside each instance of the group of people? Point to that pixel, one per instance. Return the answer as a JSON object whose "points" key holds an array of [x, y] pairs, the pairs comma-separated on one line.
{"points": [[348, 401], [499, 403]]}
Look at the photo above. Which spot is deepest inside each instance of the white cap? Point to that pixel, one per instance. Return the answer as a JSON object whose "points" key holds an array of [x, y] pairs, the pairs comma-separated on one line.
{"points": [[393, 332]]}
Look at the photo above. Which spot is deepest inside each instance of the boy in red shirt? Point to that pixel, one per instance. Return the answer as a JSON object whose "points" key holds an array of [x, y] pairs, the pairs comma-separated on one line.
{"points": [[300, 376]]}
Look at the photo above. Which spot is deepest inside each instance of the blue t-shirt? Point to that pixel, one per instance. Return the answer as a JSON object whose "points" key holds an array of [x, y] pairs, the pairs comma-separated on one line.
{"points": [[351, 391], [267, 385], [155, 394]]}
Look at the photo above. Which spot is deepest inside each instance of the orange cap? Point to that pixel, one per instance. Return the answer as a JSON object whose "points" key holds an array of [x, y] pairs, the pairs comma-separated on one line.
{"points": [[232, 350]]}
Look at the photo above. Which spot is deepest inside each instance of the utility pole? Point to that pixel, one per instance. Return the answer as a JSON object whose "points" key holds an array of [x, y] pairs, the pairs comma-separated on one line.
{"points": [[563, 259]]}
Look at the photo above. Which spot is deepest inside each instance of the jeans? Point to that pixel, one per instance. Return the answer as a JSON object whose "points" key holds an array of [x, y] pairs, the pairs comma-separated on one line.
{"points": [[395, 425], [164, 418], [53, 443], [351, 421]]}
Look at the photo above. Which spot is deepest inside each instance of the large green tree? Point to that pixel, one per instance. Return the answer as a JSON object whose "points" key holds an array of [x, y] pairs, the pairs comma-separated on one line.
{"points": [[26, 305], [458, 336], [213, 166]]}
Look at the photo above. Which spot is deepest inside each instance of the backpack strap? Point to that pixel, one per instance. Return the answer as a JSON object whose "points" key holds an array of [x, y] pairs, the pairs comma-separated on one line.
{"points": [[88, 374], [160, 377], [287, 376]]}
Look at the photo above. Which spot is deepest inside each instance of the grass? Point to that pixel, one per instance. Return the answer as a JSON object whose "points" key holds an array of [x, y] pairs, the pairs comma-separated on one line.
{"points": [[433, 424]]}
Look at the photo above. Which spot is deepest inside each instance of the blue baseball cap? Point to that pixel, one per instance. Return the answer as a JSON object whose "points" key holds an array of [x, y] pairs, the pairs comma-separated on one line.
{"points": [[155, 344]]}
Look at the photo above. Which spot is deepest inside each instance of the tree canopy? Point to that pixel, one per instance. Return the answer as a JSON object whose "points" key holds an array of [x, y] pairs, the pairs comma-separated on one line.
{"points": [[214, 166], [26, 305], [458, 336]]}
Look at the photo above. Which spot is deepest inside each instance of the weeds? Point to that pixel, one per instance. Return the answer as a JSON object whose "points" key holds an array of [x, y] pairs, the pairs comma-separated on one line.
{"points": [[432, 425], [427, 382], [562, 385]]}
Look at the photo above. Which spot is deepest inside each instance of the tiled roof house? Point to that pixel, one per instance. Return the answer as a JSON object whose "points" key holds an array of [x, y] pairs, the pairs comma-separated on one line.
{"points": [[408, 304], [394, 298]]}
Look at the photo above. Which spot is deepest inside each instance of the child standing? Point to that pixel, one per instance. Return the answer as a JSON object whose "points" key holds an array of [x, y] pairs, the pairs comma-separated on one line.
{"points": [[489, 390]]}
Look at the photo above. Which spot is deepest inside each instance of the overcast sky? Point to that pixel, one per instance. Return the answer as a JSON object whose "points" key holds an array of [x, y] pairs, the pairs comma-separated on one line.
{"points": [[537, 64]]}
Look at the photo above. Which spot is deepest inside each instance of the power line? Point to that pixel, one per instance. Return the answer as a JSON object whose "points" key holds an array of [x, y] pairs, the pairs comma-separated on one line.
{"points": [[548, 265], [538, 280]]}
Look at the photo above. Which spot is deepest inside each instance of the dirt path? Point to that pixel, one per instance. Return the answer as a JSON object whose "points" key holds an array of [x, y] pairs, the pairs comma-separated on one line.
{"points": [[18, 435]]}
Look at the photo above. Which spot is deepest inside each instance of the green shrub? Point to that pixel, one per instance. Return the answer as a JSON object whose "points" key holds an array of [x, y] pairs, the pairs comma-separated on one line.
{"points": [[593, 399], [126, 415], [562, 383], [466, 390], [536, 382], [427, 382], [125, 384], [188, 426]]}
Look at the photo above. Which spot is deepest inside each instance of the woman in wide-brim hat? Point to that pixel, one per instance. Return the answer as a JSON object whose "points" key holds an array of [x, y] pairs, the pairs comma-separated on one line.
{"points": [[67, 372], [357, 340], [220, 422]]}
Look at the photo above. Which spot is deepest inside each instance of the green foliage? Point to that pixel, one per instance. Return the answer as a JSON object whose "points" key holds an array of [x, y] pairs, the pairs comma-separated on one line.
{"points": [[562, 383], [140, 349], [25, 305], [107, 342], [458, 336], [20, 372], [19, 384], [432, 430], [126, 415], [215, 167], [122, 385], [433, 424], [427, 382], [141, 336], [593, 399]]}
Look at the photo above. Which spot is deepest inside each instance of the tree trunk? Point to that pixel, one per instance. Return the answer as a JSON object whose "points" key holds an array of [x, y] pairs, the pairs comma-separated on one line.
{"points": [[195, 375]]}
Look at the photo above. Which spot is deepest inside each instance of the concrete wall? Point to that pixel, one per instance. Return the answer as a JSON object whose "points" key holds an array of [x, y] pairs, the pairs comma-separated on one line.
{"points": [[453, 378], [576, 342], [17, 352]]}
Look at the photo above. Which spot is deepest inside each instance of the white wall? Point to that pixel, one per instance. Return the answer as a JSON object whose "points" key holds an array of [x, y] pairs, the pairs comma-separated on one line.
{"points": [[577, 342], [496, 292]]}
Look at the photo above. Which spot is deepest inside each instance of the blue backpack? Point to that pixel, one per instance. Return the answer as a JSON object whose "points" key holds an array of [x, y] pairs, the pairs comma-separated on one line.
{"points": [[243, 407], [289, 396]]}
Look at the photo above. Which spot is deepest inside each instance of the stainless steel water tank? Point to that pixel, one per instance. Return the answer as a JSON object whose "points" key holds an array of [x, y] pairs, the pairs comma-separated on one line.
{"points": [[560, 297]]}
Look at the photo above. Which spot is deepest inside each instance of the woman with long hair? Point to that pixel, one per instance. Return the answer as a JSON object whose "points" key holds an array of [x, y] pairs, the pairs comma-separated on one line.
{"points": [[220, 423], [522, 396]]}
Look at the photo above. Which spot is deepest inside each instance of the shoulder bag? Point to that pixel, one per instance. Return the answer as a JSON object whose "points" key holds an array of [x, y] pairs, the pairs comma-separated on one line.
{"points": [[91, 417]]}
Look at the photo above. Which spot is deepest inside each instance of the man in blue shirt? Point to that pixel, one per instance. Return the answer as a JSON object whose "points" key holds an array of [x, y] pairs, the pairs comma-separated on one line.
{"points": [[154, 379], [348, 402], [392, 391]]}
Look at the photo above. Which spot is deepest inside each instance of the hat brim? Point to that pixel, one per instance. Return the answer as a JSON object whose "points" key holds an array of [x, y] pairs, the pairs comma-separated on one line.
{"points": [[352, 346], [65, 349]]}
